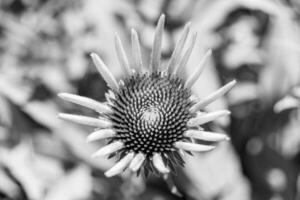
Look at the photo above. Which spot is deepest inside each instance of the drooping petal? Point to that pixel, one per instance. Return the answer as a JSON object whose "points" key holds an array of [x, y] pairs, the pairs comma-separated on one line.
{"points": [[205, 135], [196, 74], [108, 149], [123, 60], [86, 102], [171, 185], [159, 164], [101, 134], [136, 51], [212, 97], [192, 146], [176, 55], [137, 162], [90, 121], [287, 102], [204, 118], [181, 152], [156, 49], [186, 55], [120, 166], [105, 73]]}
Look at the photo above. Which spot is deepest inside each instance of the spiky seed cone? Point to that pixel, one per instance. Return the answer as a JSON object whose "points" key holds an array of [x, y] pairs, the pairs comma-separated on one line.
{"points": [[149, 118], [150, 113]]}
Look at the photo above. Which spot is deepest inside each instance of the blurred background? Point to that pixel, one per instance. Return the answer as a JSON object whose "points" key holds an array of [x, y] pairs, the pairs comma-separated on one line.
{"points": [[44, 50]]}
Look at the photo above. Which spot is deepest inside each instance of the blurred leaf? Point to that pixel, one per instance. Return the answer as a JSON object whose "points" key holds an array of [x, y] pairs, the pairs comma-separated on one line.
{"points": [[216, 174], [7, 186], [30, 170], [77, 184]]}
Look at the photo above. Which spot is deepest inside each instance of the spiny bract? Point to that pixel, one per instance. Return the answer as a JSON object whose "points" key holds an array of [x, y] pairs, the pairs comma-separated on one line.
{"points": [[150, 118]]}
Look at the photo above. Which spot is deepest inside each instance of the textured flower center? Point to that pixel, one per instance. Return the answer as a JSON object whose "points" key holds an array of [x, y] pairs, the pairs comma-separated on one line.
{"points": [[151, 116], [151, 112]]}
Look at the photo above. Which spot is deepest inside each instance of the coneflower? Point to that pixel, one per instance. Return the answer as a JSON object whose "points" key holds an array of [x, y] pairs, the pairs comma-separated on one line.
{"points": [[150, 118]]}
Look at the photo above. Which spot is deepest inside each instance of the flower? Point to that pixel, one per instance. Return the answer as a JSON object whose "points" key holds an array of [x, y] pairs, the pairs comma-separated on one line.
{"points": [[150, 118]]}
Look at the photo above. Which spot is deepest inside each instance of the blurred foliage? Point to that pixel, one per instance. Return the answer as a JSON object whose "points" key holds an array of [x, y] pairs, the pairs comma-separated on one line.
{"points": [[44, 49]]}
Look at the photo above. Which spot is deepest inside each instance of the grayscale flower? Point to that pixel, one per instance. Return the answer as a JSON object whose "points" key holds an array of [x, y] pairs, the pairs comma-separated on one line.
{"points": [[150, 118]]}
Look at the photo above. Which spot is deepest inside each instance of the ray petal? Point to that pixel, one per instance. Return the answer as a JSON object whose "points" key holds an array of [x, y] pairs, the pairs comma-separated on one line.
{"points": [[176, 55], [90, 121], [192, 146], [86, 102], [120, 166], [105, 73], [159, 164], [137, 162], [204, 118], [136, 51], [101, 134], [123, 60], [108, 149], [286, 103], [212, 97], [156, 49], [171, 185], [186, 55], [207, 136], [194, 77]]}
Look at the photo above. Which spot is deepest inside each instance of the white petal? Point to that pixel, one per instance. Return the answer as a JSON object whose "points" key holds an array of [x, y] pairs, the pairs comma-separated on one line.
{"points": [[120, 166], [176, 55], [204, 118], [86, 102], [196, 74], [123, 60], [101, 134], [182, 153], [186, 55], [159, 164], [296, 91], [193, 147], [156, 49], [109, 95], [212, 97], [204, 135], [136, 51], [137, 162], [287, 102], [90, 121], [108, 149], [105, 73]]}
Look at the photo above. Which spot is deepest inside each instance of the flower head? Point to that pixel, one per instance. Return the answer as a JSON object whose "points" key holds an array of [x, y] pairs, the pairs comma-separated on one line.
{"points": [[150, 118]]}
